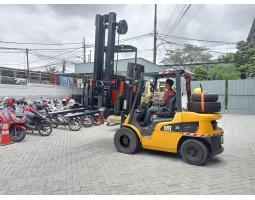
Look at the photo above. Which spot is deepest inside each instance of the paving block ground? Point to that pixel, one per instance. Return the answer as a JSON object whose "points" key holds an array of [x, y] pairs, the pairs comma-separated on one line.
{"points": [[86, 162]]}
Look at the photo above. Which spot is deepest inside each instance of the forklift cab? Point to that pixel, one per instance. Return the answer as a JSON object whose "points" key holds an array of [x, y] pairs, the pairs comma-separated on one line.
{"points": [[174, 105]]}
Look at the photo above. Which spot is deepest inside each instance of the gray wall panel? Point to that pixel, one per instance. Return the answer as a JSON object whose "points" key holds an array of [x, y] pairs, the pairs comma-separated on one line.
{"points": [[37, 90]]}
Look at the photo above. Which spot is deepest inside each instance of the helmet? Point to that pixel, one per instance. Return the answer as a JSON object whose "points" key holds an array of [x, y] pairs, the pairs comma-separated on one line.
{"points": [[9, 101], [197, 91], [71, 102], [67, 98]]}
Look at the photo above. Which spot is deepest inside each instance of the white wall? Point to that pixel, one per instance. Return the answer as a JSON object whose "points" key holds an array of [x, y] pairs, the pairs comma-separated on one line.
{"points": [[37, 90]]}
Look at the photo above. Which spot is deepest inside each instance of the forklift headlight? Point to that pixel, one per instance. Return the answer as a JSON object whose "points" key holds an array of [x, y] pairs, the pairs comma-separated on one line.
{"points": [[221, 139]]}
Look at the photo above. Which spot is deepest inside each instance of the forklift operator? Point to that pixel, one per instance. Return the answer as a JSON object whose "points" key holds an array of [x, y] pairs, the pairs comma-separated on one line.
{"points": [[168, 95]]}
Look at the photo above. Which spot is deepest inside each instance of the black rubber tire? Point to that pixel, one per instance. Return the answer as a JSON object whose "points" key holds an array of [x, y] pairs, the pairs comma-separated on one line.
{"points": [[41, 127], [126, 141], [88, 121], [75, 121], [97, 121], [209, 107], [54, 123], [21, 135], [194, 152], [207, 97]]}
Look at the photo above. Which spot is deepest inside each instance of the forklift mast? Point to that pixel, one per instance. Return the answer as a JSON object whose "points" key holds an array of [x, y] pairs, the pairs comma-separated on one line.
{"points": [[107, 89], [99, 47], [109, 60], [104, 23]]}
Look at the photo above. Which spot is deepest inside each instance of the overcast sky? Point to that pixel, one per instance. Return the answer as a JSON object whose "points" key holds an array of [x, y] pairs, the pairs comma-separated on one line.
{"points": [[70, 23]]}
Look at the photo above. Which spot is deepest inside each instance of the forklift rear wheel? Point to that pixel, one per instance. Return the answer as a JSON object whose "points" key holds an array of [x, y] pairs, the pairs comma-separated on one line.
{"points": [[126, 141], [194, 152]]}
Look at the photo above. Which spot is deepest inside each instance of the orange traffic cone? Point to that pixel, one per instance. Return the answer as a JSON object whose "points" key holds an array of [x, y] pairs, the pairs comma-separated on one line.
{"points": [[5, 137]]}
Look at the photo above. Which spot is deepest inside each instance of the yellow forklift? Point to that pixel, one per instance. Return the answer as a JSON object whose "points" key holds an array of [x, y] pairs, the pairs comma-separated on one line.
{"points": [[192, 133]]}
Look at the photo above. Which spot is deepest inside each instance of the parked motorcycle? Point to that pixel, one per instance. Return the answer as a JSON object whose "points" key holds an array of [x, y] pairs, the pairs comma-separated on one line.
{"points": [[73, 123], [16, 123], [38, 122]]}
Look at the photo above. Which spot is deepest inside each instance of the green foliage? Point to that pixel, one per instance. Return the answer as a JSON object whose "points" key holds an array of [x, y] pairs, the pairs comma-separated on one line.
{"points": [[241, 63], [229, 57], [245, 59], [224, 72], [53, 70], [189, 54], [201, 73]]}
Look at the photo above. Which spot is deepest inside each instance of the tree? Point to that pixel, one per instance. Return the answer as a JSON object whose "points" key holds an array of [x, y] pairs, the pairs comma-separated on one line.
{"points": [[188, 54], [224, 72], [53, 69], [201, 73], [245, 59], [229, 57]]}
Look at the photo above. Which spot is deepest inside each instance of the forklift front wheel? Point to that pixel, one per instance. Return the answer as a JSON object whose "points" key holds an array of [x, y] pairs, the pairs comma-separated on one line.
{"points": [[126, 141], [194, 152]]}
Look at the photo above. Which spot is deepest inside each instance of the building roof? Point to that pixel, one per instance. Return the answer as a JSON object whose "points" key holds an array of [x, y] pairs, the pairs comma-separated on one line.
{"points": [[251, 36], [122, 64]]}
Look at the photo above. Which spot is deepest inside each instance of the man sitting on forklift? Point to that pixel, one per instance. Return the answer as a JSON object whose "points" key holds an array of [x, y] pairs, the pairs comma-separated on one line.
{"points": [[163, 104]]}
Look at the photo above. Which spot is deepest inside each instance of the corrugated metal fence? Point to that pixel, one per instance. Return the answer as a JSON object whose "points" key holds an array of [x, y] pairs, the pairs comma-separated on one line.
{"points": [[241, 96], [236, 96]]}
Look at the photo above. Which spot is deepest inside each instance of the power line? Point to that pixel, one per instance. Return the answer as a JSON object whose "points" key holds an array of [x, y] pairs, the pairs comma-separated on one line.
{"points": [[36, 43], [178, 16], [42, 49], [182, 16], [170, 18], [187, 22], [199, 40], [185, 46], [39, 54], [41, 57]]}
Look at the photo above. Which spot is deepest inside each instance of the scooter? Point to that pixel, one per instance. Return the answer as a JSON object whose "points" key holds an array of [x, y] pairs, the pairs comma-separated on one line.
{"points": [[36, 121], [16, 123]]}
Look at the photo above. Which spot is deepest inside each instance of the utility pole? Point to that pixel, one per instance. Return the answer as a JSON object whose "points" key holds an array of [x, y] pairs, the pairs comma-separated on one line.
{"points": [[155, 35], [28, 75], [84, 50], [89, 55], [64, 66]]}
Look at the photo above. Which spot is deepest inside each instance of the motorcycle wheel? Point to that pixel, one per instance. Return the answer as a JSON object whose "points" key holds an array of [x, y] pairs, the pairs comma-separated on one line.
{"points": [[88, 121], [97, 120], [17, 133], [75, 124], [54, 123], [45, 129]]}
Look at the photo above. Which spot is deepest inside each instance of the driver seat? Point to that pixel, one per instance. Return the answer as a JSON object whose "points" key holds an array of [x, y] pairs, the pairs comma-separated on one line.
{"points": [[166, 114], [168, 111]]}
